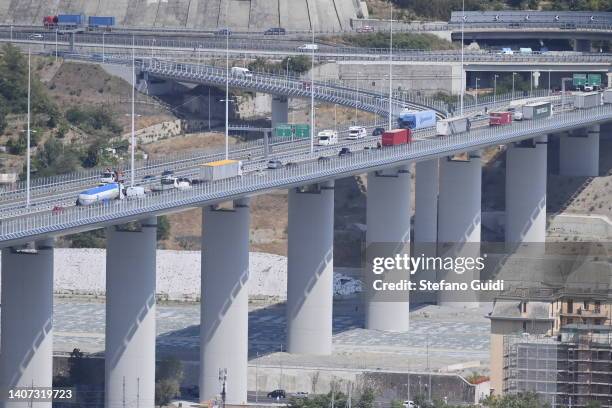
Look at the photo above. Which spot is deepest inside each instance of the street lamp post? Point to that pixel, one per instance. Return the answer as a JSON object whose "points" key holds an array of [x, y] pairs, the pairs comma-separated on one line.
{"points": [[28, 134], [390, 66], [226, 89], [476, 100], [132, 169], [287, 76], [312, 85], [356, 95], [223, 381], [462, 68], [56, 45], [103, 47], [513, 74], [494, 87]]}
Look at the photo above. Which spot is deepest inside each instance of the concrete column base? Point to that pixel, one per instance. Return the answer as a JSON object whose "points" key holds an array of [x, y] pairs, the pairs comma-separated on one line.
{"points": [[130, 315], [388, 234], [225, 303], [280, 110], [582, 45], [26, 357], [459, 221], [425, 223], [579, 153], [310, 263], [526, 192]]}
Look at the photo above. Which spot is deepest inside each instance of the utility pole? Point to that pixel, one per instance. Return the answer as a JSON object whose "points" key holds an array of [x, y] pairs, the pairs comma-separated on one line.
{"points": [[280, 379], [138, 392], [256, 378], [312, 110], [462, 67], [133, 169], [391, 66], [28, 135], [223, 381], [226, 87], [123, 398]]}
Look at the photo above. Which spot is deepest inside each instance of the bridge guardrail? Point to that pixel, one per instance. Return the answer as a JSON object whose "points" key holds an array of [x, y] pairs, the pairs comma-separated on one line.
{"points": [[77, 217]]}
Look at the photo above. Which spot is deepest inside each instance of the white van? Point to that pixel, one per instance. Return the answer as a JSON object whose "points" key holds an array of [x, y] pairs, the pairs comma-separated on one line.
{"points": [[242, 72], [327, 137], [308, 47], [357, 132]]}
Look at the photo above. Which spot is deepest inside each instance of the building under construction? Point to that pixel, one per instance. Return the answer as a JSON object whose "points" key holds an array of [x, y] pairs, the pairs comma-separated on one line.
{"points": [[570, 369]]}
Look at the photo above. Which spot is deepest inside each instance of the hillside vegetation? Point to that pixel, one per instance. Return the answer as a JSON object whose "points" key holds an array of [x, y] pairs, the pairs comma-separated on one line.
{"points": [[441, 9], [400, 40]]}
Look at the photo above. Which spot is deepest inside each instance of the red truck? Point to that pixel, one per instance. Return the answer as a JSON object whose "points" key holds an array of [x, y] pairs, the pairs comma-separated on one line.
{"points": [[500, 118], [50, 21], [396, 137]]}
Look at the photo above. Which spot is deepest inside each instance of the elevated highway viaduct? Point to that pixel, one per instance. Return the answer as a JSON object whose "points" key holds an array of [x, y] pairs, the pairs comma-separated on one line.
{"points": [[448, 209]]}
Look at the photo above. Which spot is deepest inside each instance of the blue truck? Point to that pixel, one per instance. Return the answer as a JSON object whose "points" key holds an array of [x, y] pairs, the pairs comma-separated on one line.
{"points": [[105, 22], [413, 119], [70, 20]]}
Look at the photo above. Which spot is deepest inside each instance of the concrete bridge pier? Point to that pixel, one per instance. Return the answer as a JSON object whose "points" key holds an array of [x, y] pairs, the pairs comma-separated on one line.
{"points": [[280, 110], [582, 45], [526, 165], [425, 222], [459, 221], [130, 314], [310, 269], [579, 152], [224, 311], [388, 234], [26, 357]]}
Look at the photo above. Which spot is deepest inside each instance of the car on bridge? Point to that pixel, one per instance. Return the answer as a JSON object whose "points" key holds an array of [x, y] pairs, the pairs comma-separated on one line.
{"points": [[277, 394], [378, 131], [275, 164], [275, 31], [357, 132], [365, 29], [327, 137], [223, 32], [345, 151]]}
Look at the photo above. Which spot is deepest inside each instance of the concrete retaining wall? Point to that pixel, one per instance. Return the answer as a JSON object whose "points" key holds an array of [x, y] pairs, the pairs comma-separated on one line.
{"points": [[257, 15], [428, 78]]}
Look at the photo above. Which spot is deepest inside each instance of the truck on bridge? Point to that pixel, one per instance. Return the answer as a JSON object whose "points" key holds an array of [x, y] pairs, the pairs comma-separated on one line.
{"points": [[414, 119]]}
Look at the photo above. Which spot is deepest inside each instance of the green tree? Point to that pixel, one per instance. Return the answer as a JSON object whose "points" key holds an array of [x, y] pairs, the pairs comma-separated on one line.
{"points": [[521, 400], [163, 228], [168, 376]]}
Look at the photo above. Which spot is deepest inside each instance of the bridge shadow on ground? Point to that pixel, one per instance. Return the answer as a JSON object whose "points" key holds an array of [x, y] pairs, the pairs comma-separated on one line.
{"points": [[267, 333]]}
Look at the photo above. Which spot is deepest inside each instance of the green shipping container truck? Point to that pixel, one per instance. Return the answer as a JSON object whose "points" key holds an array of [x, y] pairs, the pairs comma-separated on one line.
{"points": [[292, 130]]}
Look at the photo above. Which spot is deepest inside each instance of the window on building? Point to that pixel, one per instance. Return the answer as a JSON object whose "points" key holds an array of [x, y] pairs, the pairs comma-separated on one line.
{"points": [[597, 307], [524, 327], [570, 306], [524, 307], [586, 305]]}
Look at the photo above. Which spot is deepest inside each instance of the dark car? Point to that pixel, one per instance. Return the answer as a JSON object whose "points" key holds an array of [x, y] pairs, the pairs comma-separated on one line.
{"points": [[345, 151], [378, 131], [323, 159], [277, 394], [224, 32], [275, 31]]}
